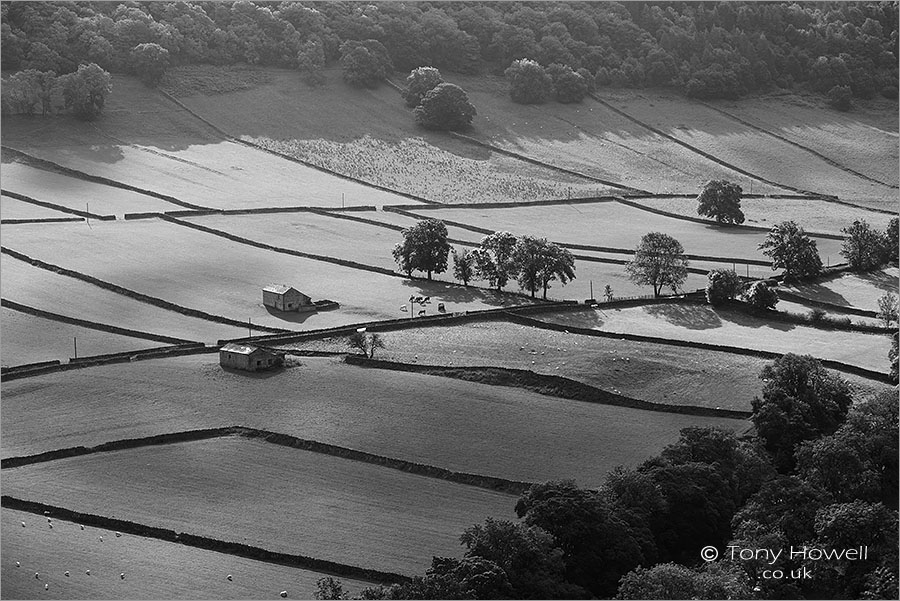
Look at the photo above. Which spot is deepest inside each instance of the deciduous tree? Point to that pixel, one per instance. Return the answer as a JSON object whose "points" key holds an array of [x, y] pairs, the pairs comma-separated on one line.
{"points": [[446, 107], [721, 200], [658, 261], [420, 81], [540, 262], [463, 266], [863, 247], [85, 90], [424, 248], [724, 285], [149, 62], [364, 63], [528, 82], [760, 296], [494, 260], [792, 250]]}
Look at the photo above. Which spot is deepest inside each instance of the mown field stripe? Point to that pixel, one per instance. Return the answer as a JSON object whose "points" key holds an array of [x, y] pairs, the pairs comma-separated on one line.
{"points": [[91, 324], [46, 165], [512, 487], [139, 296], [702, 153], [815, 153], [56, 207], [202, 542], [545, 384], [836, 365]]}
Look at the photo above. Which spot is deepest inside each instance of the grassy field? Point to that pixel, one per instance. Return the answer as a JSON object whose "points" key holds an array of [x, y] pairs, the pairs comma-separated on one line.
{"points": [[78, 194], [202, 271], [49, 291], [462, 426], [702, 323], [274, 497], [589, 138], [147, 141], [812, 215], [757, 152], [30, 339], [854, 139], [10, 208], [860, 290], [805, 310], [618, 226], [154, 569], [371, 134]]}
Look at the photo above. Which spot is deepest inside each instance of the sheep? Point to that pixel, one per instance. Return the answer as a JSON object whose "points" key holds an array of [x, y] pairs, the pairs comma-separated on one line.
{"points": [[82, 526], [283, 593], [228, 578], [88, 572], [23, 524], [46, 587], [101, 539], [17, 564], [51, 526], [67, 573], [37, 576], [118, 534], [422, 312], [122, 575]]}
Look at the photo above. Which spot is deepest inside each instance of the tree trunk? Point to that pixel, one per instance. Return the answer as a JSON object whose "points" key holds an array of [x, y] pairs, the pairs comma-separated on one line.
{"points": [[429, 275]]}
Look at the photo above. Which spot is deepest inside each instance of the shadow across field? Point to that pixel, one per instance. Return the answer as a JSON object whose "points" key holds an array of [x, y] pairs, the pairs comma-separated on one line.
{"points": [[749, 321], [290, 316], [881, 280], [824, 294], [692, 317]]}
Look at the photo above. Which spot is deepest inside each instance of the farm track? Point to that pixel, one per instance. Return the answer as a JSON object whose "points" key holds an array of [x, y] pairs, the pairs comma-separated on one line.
{"points": [[91, 324], [152, 300], [46, 165], [815, 153], [702, 153]]}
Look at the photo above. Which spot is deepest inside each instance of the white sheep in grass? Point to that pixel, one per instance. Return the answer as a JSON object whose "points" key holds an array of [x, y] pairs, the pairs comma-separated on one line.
{"points": [[228, 577], [67, 573], [37, 576], [283, 593], [122, 575], [23, 524], [88, 572], [118, 534], [46, 587], [18, 564], [101, 539]]}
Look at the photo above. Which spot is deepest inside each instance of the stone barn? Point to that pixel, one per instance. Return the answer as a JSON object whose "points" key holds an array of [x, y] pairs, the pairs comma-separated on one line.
{"points": [[286, 298], [249, 357]]}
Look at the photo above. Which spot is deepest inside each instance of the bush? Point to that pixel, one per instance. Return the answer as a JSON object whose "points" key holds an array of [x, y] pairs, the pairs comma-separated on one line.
{"points": [[528, 82], [760, 296], [724, 285], [816, 315]]}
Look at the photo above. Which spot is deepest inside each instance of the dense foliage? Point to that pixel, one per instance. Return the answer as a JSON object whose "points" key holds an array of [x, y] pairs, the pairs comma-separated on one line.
{"points": [[792, 250], [721, 200], [723, 285], [424, 248], [706, 49], [445, 107], [863, 247], [658, 261]]}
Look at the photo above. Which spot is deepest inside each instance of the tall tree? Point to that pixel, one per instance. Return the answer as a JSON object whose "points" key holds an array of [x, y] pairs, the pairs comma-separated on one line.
{"points": [[540, 262], [424, 248], [721, 200], [311, 62], [420, 81], [85, 90], [494, 260], [528, 82], [724, 285], [365, 63], [863, 247], [446, 107], [149, 62], [792, 250], [463, 266], [659, 262]]}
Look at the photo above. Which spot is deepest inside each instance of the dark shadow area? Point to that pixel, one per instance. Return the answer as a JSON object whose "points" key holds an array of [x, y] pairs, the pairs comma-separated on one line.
{"points": [[818, 292], [881, 280], [454, 293], [692, 317], [589, 319], [289, 316], [749, 321], [258, 375]]}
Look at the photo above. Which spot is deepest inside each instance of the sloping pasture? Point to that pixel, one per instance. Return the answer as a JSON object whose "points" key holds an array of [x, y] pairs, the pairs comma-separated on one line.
{"points": [[371, 135], [647, 371], [589, 138], [461, 426], [860, 290], [278, 498], [11, 208], [757, 152], [849, 139], [612, 224], [154, 569], [49, 291], [702, 323], [31, 339], [78, 194], [204, 271], [814, 215]]}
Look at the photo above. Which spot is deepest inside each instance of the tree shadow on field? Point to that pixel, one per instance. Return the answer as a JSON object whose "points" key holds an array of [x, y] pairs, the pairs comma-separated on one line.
{"points": [[749, 321], [589, 319], [692, 317], [882, 280], [821, 293], [447, 293], [290, 316]]}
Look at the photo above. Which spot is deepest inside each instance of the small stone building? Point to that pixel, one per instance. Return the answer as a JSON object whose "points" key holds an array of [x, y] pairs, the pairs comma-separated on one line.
{"points": [[286, 298], [249, 357]]}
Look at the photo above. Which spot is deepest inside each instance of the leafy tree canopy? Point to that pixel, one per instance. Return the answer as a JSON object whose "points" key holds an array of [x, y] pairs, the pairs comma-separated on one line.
{"points": [[658, 261], [721, 200], [445, 107], [792, 250], [424, 248]]}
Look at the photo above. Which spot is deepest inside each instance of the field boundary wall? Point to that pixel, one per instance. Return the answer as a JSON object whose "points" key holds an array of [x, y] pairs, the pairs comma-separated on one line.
{"points": [[522, 157], [144, 298], [26, 366], [46, 165], [505, 205], [41, 220], [836, 365], [56, 207], [819, 155], [202, 542], [92, 324], [549, 385], [791, 296], [255, 146]]}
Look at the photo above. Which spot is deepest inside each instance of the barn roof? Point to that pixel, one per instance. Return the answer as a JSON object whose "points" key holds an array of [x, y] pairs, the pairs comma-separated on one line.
{"points": [[279, 288], [241, 349]]}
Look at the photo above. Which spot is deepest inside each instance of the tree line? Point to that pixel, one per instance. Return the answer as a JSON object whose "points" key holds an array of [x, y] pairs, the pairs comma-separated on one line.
{"points": [[706, 50], [819, 470]]}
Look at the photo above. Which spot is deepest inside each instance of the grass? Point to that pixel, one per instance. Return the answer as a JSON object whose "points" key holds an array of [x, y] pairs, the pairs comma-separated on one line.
{"points": [[189, 80], [757, 152], [457, 425], [702, 323], [615, 225], [860, 290], [281, 499], [206, 272], [589, 138], [372, 135], [78, 194], [31, 339], [49, 291], [10, 208], [812, 215], [154, 569]]}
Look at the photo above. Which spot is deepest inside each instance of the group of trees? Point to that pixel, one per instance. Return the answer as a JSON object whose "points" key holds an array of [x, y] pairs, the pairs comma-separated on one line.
{"points": [[437, 104], [82, 92], [705, 49], [530, 83], [820, 471], [500, 257]]}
